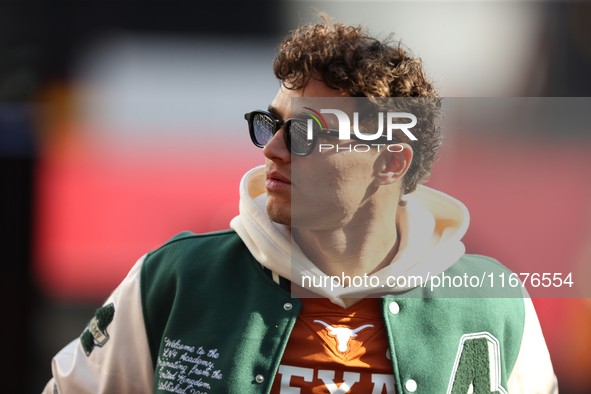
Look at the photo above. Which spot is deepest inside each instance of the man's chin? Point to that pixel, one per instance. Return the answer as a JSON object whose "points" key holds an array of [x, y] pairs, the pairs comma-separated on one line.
{"points": [[278, 217]]}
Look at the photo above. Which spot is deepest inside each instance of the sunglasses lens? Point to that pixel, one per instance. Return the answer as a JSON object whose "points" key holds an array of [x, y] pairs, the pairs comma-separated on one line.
{"points": [[298, 131], [263, 128]]}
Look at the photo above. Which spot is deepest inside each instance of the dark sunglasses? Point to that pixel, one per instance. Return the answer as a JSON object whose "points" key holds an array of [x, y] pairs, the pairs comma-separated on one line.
{"points": [[262, 126]]}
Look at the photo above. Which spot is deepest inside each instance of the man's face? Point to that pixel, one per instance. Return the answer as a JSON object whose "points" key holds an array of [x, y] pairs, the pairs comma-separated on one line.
{"points": [[323, 190]]}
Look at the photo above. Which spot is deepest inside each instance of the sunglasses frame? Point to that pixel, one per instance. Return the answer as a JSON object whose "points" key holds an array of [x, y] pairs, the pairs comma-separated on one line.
{"points": [[286, 124], [277, 124]]}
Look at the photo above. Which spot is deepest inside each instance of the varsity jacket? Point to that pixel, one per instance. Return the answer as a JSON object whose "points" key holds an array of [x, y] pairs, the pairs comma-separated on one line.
{"points": [[212, 313]]}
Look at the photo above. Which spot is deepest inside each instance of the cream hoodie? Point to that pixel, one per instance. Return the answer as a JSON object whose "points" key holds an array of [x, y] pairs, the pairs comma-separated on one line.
{"points": [[431, 226]]}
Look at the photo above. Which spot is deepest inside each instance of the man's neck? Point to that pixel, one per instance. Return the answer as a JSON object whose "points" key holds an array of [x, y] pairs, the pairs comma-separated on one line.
{"points": [[364, 246]]}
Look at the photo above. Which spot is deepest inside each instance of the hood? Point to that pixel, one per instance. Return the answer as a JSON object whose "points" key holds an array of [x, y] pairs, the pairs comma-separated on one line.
{"points": [[430, 226]]}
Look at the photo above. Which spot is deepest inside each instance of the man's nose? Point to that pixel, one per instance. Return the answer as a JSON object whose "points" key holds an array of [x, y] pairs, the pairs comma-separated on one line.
{"points": [[276, 149]]}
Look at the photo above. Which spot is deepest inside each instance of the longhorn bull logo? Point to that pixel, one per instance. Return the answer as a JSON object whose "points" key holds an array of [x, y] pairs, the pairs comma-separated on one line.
{"points": [[343, 334]]}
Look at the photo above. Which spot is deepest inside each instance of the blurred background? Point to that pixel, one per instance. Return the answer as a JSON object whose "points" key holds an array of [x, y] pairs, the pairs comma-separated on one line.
{"points": [[121, 124]]}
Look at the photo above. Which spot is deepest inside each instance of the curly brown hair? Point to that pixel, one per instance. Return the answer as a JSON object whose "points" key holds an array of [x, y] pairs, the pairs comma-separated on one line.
{"points": [[347, 59]]}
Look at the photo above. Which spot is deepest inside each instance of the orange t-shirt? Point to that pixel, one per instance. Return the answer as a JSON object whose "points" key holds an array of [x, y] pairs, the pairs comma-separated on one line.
{"points": [[336, 350]]}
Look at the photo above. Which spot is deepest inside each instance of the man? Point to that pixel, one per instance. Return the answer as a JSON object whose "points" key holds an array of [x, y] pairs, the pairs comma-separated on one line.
{"points": [[213, 313]]}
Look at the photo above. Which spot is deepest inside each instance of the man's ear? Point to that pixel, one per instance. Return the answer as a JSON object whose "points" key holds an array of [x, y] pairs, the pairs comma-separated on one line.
{"points": [[393, 163]]}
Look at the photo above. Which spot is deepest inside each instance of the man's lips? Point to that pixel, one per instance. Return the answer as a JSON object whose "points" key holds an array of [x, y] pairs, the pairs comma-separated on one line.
{"points": [[276, 181]]}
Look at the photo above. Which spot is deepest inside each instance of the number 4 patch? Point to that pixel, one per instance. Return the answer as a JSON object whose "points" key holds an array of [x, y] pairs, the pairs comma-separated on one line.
{"points": [[478, 366], [95, 334]]}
